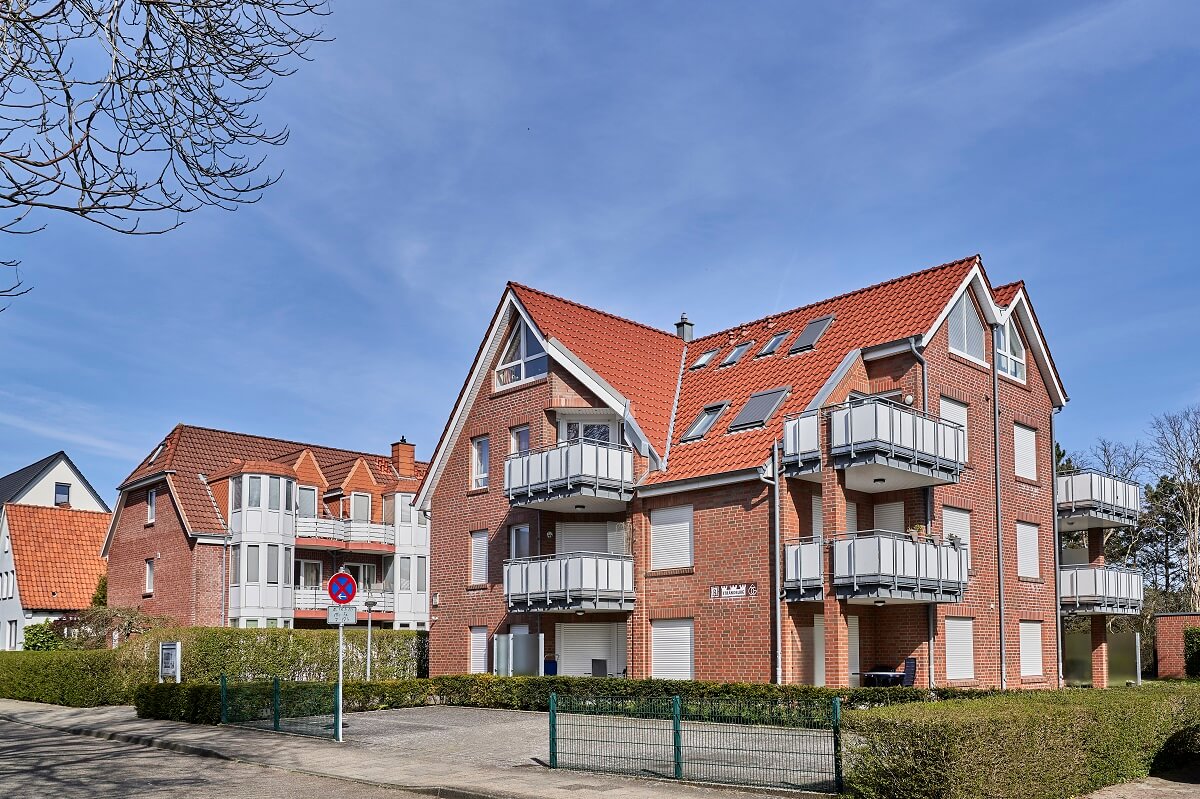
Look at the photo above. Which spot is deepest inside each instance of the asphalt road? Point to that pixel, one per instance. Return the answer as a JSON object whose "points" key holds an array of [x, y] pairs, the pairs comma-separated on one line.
{"points": [[42, 763]]}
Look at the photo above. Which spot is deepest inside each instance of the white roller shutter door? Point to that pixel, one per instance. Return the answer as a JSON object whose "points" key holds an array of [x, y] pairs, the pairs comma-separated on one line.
{"points": [[957, 522], [671, 537], [581, 537], [818, 516], [853, 649], [960, 648], [890, 516], [479, 557], [818, 650], [1031, 649], [1025, 451], [578, 644], [479, 647], [954, 411], [1027, 550], [851, 517], [671, 649]]}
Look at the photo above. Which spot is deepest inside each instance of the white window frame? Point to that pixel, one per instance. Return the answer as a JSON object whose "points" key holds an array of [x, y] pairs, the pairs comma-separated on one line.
{"points": [[406, 508], [1007, 334], [514, 444], [301, 563], [67, 486], [316, 501], [473, 633], [404, 574], [660, 627], [148, 577], [963, 408], [1032, 657], [523, 359], [513, 531], [1029, 556], [421, 576], [151, 497], [565, 422], [661, 562], [361, 577], [480, 466], [968, 310], [274, 550], [255, 561], [959, 673], [952, 511], [356, 495], [705, 358], [1030, 434], [388, 513], [478, 569]]}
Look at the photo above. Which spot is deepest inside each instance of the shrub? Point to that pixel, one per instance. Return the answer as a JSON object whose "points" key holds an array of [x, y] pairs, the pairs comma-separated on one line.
{"points": [[66, 677], [42, 638], [1041, 744], [1191, 651]]}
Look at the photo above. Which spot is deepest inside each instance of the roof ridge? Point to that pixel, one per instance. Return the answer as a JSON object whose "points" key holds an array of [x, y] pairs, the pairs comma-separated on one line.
{"points": [[842, 296], [302, 444], [55, 507], [609, 314]]}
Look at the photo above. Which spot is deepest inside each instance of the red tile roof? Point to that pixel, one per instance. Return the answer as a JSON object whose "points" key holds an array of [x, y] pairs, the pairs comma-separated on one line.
{"points": [[1004, 294], [640, 362], [56, 552], [191, 451]]}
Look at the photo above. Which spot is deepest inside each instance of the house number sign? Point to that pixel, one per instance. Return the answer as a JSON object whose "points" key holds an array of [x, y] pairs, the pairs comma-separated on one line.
{"points": [[734, 591]]}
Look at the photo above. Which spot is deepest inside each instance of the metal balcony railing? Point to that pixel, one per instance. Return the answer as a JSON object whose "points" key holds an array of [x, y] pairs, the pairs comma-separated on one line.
{"points": [[597, 579], [567, 467], [899, 562], [876, 425], [1106, 589], [1090, 491], [345, 530], [802, 564], [802, 438], [318, 599]]}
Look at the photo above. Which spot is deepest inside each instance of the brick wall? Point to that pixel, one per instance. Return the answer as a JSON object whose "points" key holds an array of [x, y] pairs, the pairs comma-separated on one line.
{"points": [[1168, 642]]}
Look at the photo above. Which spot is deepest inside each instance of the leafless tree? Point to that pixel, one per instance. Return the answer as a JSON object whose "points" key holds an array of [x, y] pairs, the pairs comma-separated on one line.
{"points": [[1129, 462], [130, 113], [1175, 447]]}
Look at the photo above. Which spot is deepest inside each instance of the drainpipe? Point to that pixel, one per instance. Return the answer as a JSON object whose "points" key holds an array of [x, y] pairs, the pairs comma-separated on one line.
{"points": [[1057, 547], [931, 610], [999, 520], [776, 592]]}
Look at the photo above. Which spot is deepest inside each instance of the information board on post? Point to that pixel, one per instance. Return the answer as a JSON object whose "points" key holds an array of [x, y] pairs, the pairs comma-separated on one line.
{"points": [[170, 660]]}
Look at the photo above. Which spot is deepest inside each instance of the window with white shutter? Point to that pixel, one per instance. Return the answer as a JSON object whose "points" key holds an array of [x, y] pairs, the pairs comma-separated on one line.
{"points": [[955, 411], [890, 516], [671, 537], [956, 522], [851, 517], [960, 648], [671, 642], [966, 329], [479, 557], [1028, 564], [1031, 649], [1025, 451], [818, 516], [479, 647]]}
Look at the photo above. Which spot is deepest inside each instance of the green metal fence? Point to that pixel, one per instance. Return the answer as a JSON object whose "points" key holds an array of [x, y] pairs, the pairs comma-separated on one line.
{"points": [[792, 744], [302, 708]]}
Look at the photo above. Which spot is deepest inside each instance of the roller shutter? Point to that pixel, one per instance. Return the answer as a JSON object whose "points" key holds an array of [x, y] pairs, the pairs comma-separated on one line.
{"points": [[960, 648], [479, 647], [890, 516], [1027, 550], [671, 537], [851, 517], [818, 516], [954, 411], [581, 537], [479, 557], [1031, 649], [957, 522], [671, 649], [1025, 451]]}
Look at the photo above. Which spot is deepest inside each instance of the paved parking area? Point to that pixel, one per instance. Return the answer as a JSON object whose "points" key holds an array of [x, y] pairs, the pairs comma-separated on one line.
{"points": [[503, 738]]}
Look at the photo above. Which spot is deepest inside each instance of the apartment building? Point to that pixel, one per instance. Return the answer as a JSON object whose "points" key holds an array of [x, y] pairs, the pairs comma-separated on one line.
{"points": [[859, 487], [52, 523], [216, 528]]}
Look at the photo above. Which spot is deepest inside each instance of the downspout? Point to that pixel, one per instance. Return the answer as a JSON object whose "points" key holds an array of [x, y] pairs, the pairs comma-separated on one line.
{"points": [[931, 610], [776, 591], [1057, 547], [999, 520]]}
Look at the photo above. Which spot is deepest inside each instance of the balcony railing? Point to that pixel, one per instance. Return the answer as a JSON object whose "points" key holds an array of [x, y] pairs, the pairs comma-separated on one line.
{"points": [[884, 563], [1092, 590], [318, 599], [875, 430], [802, 442], [577, 580], [1098, 499], [346, 531], [569, 468], [802, 570]]}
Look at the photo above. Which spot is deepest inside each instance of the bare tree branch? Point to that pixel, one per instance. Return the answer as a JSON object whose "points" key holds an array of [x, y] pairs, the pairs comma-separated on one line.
{"points": [[1175, 448]]}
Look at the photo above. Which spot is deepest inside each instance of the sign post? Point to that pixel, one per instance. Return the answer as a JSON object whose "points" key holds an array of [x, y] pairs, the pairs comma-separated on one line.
{"points": [[170, 660], [342, 589]]}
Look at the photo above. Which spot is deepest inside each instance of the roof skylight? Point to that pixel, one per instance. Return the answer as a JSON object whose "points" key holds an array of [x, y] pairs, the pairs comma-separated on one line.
{"points": [[773, 343], [704, 421], [758, 409], [704, 359], [736, 353], [808, 337]]}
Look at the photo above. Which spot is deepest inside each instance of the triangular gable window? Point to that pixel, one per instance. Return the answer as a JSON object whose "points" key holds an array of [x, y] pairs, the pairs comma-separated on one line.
{"points": [[524, 357], [966, 330]]}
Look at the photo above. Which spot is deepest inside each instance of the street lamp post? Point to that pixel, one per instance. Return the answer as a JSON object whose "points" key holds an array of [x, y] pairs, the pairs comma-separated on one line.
{"points": [[370, 605]]}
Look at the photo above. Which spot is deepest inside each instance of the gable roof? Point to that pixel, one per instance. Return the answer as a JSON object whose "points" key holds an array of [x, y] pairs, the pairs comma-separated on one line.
{"points": [[11, 485], [56, 552], [190, 451]]}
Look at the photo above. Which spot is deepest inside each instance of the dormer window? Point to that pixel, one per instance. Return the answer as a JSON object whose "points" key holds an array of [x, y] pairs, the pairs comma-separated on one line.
{"points": [[1010, 351], [524, 357]]}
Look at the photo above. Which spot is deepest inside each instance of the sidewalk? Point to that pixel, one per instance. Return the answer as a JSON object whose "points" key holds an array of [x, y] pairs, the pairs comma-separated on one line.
{"points": [[384, 765]]}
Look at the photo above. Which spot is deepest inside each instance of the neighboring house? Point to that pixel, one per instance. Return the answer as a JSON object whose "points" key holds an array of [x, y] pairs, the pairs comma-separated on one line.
{"points": [[52, 524], [879, 462], [226, 529]]}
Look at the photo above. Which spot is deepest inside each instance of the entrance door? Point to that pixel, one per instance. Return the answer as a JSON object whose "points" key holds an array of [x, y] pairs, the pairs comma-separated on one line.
{"points": [[852, 645]]}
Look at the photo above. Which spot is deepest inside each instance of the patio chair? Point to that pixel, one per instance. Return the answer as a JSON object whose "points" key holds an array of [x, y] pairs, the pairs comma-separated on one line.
{"points": [[910, 672]]}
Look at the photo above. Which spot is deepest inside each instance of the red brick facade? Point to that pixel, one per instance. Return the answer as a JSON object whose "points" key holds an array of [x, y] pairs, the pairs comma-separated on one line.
{"points": [[1168, 642]]}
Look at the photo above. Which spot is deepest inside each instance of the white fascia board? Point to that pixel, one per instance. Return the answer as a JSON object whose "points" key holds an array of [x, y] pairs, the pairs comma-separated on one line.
{"points": [[697, 483], [992, 313], [880, 351], [1021, 307]]}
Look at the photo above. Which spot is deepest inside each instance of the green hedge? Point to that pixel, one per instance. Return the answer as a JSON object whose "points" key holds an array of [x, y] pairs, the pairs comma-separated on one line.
{"points": [[78, 678], [1028, 745], [1191, 651]]}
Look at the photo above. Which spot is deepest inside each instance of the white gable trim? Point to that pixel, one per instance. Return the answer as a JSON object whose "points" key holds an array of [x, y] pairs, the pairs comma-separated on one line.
{"points": [[992, 313], [1021, 307]]}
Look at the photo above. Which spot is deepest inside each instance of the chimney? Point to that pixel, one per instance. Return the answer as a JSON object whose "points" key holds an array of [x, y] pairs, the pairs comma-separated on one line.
{"points": [[404, 457], [683, 328]]}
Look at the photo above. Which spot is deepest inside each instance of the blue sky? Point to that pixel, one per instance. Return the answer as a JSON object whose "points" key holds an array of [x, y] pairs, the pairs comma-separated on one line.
{"points": [[648, 158]]}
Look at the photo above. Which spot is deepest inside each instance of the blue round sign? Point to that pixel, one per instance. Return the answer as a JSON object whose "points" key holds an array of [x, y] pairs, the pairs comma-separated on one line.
{"points": [[342, 588]]}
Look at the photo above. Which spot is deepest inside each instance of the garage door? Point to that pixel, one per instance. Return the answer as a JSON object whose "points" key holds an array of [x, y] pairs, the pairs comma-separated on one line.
{"points": [[671, 649]]}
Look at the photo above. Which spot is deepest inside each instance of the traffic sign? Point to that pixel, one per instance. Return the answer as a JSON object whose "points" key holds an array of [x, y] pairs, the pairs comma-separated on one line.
{"points": [[341, 614], [342, 588]]}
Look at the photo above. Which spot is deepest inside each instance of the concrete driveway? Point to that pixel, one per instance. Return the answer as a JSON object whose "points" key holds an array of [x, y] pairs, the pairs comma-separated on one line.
{"points": [[503, 738]]}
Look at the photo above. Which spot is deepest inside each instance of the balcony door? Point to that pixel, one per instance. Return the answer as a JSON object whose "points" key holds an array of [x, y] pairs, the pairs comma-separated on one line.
{"points": [[589, 430], [308, 574], [581, 537], [363, 574]]}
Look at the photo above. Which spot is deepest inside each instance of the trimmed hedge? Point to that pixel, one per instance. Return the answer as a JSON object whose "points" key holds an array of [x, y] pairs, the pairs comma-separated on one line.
{"points": [[1191, 651], [77, 678], [1021, 745], [183, 702]]}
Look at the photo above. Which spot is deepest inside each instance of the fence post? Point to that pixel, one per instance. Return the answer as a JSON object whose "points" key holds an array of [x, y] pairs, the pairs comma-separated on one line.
{"points": [[677, 734], [275, 705], [224, 701], [553, 730], [837, 743]]}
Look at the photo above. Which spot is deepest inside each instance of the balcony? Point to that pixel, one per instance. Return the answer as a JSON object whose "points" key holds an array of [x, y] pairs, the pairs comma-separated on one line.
{"points": [[888, 447], [574, 476], [308, 599], [802, 446], [578, 581], [1101, 590], [1090, 499], [327, 533], [878, 566]]}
